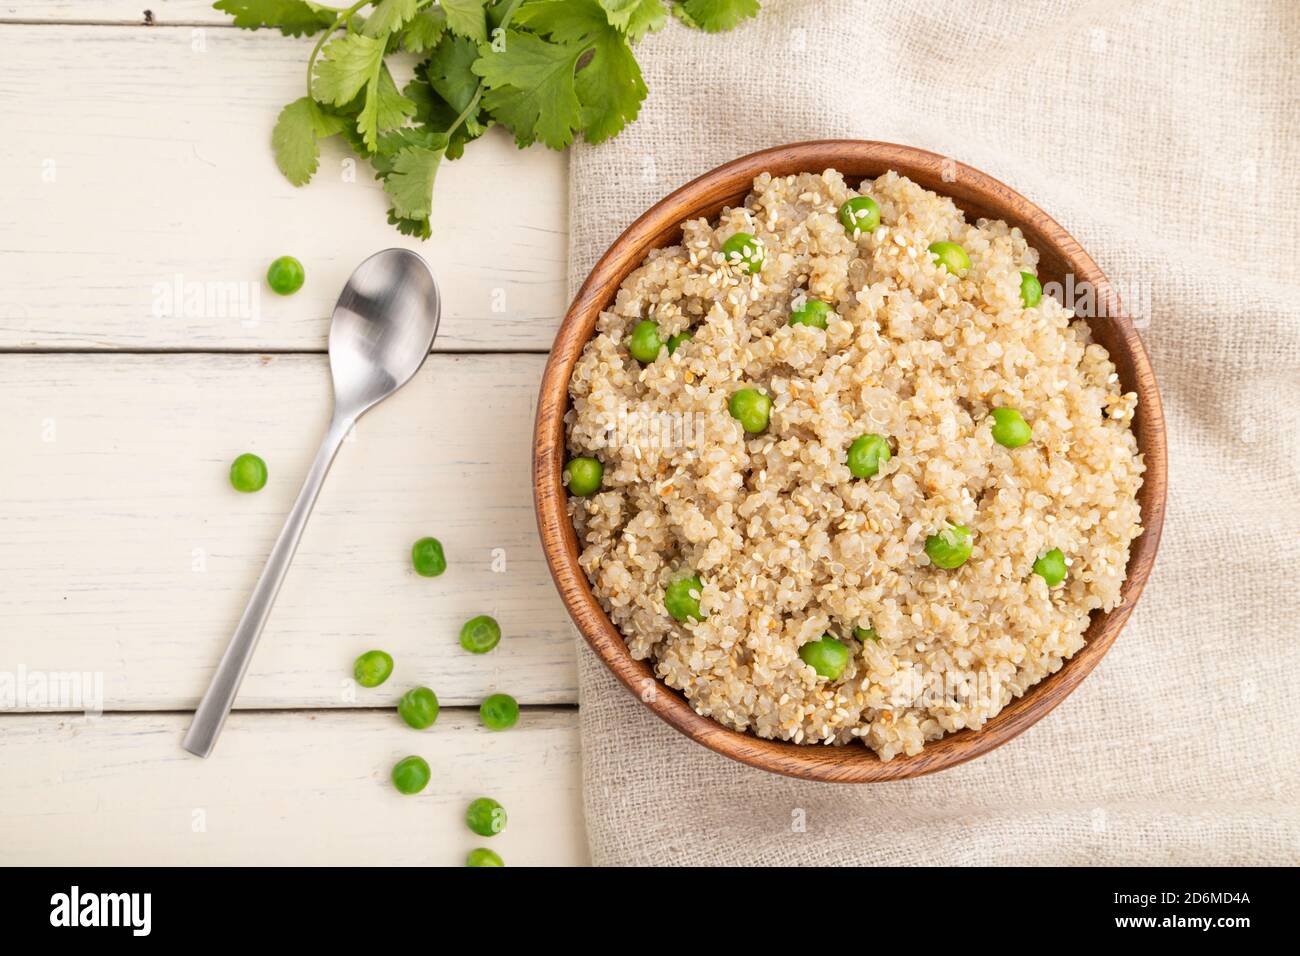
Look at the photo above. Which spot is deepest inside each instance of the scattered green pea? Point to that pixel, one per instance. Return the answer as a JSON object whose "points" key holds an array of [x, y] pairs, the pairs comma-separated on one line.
{"points": [[751, 408], [483, 857], [951, 256], [583, 476], [248, 473], [677, 340], [1031, 290], [480, 634], [499, 712], [1010, 430], [427, 558], [1051, 567], [411, 775], [860, 215], [745, 250], [950, 547], [865, 634], [285, 275], [418, 707], [866, 455], [486, 817], [372, 668], [681, 603], [644, 343], [813, 312], [828, 657]]}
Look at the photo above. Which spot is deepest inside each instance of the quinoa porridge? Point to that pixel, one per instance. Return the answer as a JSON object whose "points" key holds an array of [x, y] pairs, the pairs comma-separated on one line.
{"points": [[841, 471]]}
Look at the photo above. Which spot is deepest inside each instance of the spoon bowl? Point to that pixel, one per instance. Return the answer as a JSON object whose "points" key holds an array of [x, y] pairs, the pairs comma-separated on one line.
{"points": [[383, 325], [380, 334]]}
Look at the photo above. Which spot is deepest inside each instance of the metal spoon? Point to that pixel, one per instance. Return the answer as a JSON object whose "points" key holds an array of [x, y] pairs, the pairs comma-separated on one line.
{"points": [[383, 326]]}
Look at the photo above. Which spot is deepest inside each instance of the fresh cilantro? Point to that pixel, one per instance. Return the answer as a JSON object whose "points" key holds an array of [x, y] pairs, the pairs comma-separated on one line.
{"points": [[609, 83], [296, 138], [636, 18], [293, 18], [547, 70], [466, 18], [347, 65], [424, 30], [714, 16], [388, 16], [531, 87]]}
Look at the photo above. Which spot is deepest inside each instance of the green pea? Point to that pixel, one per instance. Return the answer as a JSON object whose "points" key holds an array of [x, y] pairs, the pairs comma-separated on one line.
{"points": [[860, 215], [483, 857], [1051, 567], [480, 634], [499, 712], [678, 340], [866, 455], [681, 603], [744, 250], [865, 634], [950, 547], [583, 476], [485, 817], [372, 668], [951, 256], [1010, 430], [427, 558], [285, 276], [418, 707], [751, 408], [813, 312], [828, 657], [411, 775], [1031, 290], [644, 343], [248, 473]]}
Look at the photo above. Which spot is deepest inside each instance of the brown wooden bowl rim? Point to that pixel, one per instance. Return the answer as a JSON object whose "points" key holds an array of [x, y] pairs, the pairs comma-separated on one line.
{"points": [[847, 764]]}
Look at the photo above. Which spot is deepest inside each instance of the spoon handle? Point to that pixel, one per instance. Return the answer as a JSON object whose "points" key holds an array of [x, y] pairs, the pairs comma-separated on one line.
{"points": [[215, 705]]}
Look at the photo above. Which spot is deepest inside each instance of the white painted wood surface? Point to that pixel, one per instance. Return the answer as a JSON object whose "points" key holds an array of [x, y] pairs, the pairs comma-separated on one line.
{"points": [[136, 164], [127, 552], [286, 788], [137, 161]]}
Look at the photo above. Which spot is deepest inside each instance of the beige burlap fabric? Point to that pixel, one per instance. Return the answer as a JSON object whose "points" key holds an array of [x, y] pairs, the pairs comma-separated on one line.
{"points": [[1165, 136]]}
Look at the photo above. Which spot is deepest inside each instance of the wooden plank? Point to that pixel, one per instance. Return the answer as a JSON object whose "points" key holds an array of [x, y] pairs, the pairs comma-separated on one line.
{"points": [[284, 788], [162, 12], [127, 553], [147, 170]]}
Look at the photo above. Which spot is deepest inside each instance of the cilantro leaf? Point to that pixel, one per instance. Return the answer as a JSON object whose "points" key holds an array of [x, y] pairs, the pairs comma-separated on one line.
{"points": [[450, 71], [346, 66], [609, 84], [410, 184], [531, 88], [387, 16], [636, 18], [293, 18], [466, 18], [714, 16], [432, 111], [422, 33], [295, 138], [392, 108]]}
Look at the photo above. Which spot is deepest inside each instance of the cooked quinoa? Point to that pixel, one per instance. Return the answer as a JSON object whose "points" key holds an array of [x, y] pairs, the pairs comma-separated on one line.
{"points": [[788, 545]]}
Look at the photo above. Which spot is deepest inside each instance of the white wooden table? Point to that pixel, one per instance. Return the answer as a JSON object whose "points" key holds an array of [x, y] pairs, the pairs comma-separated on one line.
{"points": [[140, 351]]}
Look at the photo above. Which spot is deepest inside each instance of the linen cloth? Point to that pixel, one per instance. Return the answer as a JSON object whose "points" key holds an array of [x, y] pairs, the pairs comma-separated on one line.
{"points": [[1164, 136]]}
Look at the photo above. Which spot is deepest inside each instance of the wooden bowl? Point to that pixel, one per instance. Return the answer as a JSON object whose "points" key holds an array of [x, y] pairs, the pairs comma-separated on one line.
{"points": [[977, 195]]}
